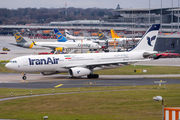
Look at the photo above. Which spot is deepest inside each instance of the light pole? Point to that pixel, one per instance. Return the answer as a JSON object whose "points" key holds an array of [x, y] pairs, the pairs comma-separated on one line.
{"points": [[149, 12], [172, 18], [161, 17], [178, 16], [159, 98]]}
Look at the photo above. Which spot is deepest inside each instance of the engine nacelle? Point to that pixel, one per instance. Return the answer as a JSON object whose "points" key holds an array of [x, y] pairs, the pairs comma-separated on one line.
{"points": [[50, 73], [79, 71], [60, 49]]}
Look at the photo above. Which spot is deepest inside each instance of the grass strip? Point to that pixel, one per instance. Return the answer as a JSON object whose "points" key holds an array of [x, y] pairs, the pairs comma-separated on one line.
{"points": [[129, 103]]}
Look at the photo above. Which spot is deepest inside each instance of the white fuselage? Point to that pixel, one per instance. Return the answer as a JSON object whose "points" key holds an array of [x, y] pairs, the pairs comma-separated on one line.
{"points": [[122, 39], [61, 62], [69, 45]]}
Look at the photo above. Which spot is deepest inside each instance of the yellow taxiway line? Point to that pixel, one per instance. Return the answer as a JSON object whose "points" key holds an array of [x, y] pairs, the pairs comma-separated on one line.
{"points": [[58, 85]]}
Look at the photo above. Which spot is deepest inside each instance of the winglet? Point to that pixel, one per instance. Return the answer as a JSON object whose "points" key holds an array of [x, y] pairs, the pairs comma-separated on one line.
{"points": [[34, 43]]}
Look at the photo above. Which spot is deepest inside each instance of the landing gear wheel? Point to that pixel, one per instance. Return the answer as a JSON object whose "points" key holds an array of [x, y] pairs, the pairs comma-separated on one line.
{"points": [[90, 76], [96, 76], [24, 77], [93, 76]]}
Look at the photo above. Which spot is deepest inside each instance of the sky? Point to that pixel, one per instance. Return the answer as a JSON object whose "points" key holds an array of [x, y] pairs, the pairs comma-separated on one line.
{"points": [[14, 4]]}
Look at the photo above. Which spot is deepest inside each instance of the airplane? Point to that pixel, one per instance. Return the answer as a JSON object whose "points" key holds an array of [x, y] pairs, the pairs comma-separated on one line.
{"points": [[61, 44], [117, 38], [78, 65], [68, 35], [21, 42], [114, 36]]}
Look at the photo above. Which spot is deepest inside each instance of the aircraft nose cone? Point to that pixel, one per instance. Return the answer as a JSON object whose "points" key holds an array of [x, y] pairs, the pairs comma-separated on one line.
{"points": [[8, 65]]}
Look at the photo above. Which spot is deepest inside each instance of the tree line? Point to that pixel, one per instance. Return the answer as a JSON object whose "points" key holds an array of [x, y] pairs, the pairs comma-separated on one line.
{"points": [[44, 15]]}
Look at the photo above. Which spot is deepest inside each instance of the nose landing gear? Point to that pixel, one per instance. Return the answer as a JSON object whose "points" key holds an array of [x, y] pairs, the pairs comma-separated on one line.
{"points": [[24, 76]]}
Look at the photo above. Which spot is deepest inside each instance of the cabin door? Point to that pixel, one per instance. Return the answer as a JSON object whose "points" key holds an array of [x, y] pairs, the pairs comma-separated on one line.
{"points": [[25, 62]]}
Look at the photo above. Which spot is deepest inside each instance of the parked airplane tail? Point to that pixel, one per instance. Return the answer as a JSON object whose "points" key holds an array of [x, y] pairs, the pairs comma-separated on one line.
{"points": [[60, 37], [19, 38], [115, 35], [148, 41], [68, 35], [101, 34], [67, 32]]}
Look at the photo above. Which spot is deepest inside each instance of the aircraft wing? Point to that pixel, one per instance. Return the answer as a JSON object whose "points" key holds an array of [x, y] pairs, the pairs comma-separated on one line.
{"points": [[99, 64], [14, 44], [18, 45]]}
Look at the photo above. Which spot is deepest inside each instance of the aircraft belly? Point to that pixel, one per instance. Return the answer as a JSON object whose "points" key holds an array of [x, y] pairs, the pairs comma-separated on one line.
{"points": [[36, 68]]}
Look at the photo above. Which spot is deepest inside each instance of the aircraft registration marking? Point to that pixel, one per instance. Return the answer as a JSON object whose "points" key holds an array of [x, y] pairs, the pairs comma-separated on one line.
{"points": [[58, 85]]}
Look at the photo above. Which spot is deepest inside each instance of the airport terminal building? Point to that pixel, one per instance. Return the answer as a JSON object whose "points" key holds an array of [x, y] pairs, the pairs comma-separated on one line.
{"points": [[127, 22]]}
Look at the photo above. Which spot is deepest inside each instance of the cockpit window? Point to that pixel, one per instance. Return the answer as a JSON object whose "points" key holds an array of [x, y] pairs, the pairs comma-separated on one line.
{"points": [[12, 61]]}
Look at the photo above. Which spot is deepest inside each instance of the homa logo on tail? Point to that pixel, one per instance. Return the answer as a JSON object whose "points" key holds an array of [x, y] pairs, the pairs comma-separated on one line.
{"points": [[149, 40], [18, 37]]}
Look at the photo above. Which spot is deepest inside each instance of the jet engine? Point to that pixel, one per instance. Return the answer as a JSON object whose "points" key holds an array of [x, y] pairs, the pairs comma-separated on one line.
{"points": [[79, 71], [60, 49], [50, 73]]}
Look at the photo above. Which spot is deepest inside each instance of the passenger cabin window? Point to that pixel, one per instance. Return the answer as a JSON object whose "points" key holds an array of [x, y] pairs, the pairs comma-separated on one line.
{"points": [[12, 61]]}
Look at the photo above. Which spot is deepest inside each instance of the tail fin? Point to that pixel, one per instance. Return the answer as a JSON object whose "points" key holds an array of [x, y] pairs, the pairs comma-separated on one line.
{"points": [[101, 34], [67, 32], [68, 35], [19, 38], [148, 41], [114, 34], [60, 37]]}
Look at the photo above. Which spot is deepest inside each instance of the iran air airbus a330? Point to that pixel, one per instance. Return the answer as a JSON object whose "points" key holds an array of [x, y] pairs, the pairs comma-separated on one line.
{"points": [[78, 65], [61, 44]]}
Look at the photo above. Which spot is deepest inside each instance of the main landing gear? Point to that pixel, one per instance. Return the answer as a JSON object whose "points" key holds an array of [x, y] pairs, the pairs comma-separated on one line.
{"points": [[24, 76], [93, 76]]}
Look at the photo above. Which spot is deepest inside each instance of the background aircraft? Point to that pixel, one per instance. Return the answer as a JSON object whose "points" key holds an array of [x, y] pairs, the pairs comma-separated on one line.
{"points": [[117, 38], [78, 65], [21, 42], [69, 36], [61, 44]]}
